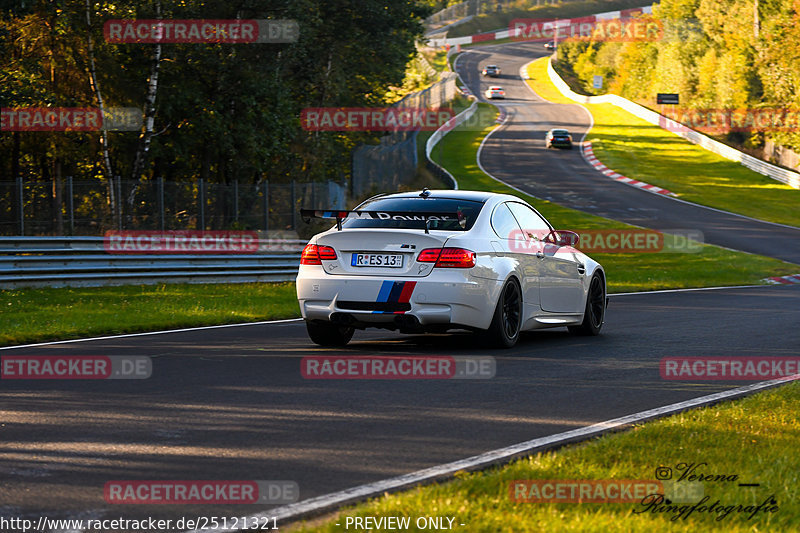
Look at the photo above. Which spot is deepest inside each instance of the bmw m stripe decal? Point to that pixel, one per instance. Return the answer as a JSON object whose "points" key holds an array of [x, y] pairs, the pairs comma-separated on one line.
{"points": [[395, 292]]}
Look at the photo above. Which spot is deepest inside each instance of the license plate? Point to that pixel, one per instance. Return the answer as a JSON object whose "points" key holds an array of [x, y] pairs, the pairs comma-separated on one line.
{"points": [[377, 260]]}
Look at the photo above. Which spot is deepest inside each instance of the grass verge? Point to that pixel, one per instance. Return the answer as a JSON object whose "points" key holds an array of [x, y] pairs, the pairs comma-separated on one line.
{"points": [[712, 266], [34, 315], [751, 438], [645, 152]]}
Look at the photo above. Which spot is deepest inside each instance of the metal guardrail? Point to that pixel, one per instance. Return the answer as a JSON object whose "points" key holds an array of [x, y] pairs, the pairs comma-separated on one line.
{"points": [[790, 178], [83, 262]]}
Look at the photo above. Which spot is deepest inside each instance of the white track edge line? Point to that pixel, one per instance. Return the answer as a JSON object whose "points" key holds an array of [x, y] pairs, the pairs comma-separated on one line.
{"points": [[692, 289], [144, 333], [329, 502]]}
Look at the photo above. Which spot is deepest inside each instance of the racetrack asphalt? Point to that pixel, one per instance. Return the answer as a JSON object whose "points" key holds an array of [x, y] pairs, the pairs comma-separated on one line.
{"points": [[231, 403], [515, 153]]}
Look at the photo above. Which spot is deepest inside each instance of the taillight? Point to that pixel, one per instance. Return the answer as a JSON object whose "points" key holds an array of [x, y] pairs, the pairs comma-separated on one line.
{"points": [[448, 257], [314, 255], [326, 253], [310, 255]]}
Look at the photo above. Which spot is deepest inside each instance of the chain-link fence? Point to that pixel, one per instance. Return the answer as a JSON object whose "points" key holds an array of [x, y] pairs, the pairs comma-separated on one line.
{"points": [[82, 207], [383, 167], [456, 11]]}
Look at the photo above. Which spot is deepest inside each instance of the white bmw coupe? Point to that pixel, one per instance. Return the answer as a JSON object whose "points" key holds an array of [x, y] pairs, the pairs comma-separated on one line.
{"points": [[434, 261]]}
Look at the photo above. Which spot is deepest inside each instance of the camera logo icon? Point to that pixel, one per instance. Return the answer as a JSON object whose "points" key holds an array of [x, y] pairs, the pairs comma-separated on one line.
{"points": [[663, 472]]}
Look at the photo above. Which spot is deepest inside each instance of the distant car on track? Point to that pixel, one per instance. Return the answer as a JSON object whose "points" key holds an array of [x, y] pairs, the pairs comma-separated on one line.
{"points": [[493, 71], [551, 45], [495, 91], [558, 137], [434, 261]]}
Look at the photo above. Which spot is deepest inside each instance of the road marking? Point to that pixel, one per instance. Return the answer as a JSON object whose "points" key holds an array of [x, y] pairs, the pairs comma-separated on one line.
{"points": [[329, 502], [198, 328], [689, 290], [588, 155]]}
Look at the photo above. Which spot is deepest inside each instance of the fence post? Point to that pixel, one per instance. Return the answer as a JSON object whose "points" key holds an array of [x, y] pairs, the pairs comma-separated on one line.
{"points": [[201, 198], [236, 201], [161, 215], [294, 206], [266, 205], [20, 206], [71, 206]]}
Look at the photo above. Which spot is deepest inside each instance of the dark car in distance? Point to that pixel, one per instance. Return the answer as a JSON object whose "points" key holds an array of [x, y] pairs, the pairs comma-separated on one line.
{"points": [[558, 137]]}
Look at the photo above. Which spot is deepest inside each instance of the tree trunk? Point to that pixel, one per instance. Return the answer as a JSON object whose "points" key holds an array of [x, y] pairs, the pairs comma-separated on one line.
{"points": [[103, 132]]}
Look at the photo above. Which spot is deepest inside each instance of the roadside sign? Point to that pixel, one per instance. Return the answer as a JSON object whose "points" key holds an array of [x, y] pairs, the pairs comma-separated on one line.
{"points": [[667, 98], [597, 82]]}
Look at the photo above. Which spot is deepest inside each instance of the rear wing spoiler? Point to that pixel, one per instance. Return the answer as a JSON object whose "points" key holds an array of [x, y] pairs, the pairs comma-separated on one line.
{"points": [[424, 217]]}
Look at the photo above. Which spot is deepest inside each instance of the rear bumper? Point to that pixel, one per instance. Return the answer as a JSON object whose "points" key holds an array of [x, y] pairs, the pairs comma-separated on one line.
{"points": [[566, 144], [446, 297]]}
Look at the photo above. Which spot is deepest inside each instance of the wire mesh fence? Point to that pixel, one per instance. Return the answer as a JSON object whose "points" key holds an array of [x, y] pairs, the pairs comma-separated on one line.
{"points": [[394, 161], [82, 207]]}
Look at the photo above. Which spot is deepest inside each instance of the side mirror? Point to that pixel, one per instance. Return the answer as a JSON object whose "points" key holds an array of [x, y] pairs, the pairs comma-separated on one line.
{"points": [[562, 238]]}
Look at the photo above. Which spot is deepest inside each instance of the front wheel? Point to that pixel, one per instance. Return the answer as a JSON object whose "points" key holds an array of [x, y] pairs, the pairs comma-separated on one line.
{"points": [[327, 334], [507, 320], [595, 312]]}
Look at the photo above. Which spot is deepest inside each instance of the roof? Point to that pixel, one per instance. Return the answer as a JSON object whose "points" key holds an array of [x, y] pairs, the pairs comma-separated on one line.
{"points": [[475, 196]]}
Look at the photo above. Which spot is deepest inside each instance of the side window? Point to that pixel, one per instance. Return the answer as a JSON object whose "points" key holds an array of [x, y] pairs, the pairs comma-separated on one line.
{"points": [[529, 220], [505, 225]]}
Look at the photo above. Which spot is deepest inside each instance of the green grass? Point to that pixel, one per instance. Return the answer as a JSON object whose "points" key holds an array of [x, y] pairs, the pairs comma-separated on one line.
{"points": [[754, 438], [501, 21], [30, 315], [713, 266], [648, 153]]}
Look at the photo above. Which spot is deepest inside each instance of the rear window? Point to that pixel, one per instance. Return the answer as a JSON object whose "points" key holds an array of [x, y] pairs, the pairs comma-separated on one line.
{"points": [[447, 206]]}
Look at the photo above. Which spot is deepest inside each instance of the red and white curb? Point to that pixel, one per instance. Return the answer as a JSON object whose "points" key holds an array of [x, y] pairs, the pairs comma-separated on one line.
{"points": [[784, 280], [588, 155]]}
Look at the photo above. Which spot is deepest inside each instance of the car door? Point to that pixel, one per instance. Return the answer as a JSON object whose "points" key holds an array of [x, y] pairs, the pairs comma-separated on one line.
{"points": [[515, 245], [560, 287]]}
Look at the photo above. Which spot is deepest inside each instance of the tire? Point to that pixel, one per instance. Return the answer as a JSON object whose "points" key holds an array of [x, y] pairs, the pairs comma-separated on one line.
{"points": [[507, 319], [595, 312], [327, 334]]}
